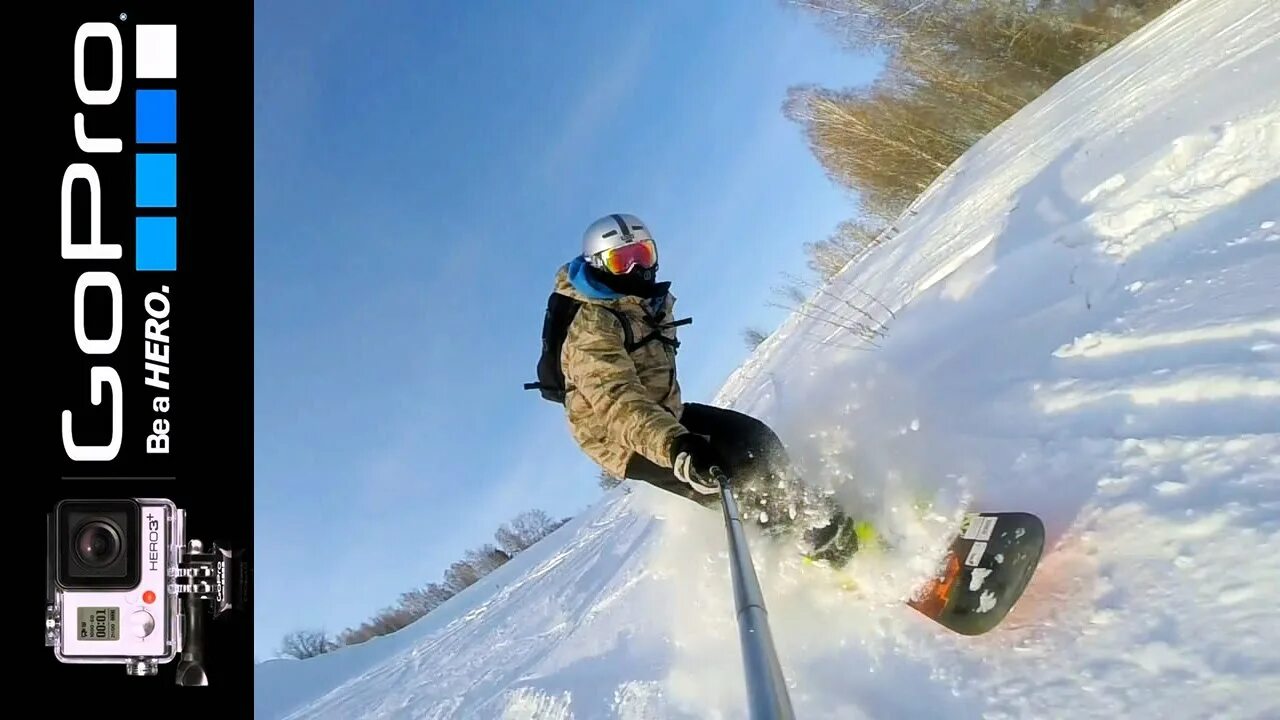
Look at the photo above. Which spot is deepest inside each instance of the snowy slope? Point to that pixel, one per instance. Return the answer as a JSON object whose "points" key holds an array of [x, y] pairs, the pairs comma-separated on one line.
{"points": [[1085, 324]]}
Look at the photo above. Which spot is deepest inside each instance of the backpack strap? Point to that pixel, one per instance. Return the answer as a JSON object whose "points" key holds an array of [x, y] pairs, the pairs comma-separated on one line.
{"points": [[656, 334]]}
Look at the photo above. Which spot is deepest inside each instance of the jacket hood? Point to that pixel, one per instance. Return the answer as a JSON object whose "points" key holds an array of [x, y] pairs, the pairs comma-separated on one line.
{"points": [[588, 288], [574, 280]]}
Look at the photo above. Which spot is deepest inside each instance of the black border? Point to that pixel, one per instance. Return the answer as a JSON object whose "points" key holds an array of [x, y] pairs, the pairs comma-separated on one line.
{"points": [[209, 471]]}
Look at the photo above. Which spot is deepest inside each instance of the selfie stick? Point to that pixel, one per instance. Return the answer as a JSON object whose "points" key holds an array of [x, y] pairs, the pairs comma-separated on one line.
{"points": [[766, 686]]}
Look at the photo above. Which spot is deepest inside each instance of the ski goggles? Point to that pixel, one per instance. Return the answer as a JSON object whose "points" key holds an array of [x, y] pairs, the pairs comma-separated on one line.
{"points": [[620, 260]]}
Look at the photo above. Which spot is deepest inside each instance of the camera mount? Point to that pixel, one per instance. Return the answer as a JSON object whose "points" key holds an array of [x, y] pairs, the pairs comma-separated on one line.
{"points": [[211, 583]]}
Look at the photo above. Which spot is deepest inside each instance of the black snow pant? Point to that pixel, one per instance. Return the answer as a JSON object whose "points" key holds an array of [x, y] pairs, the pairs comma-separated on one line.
{"points": [[767, 489]]}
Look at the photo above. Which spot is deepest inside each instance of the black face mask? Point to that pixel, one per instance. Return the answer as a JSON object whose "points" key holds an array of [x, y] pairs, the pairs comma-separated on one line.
{"points": [[640, 282]]}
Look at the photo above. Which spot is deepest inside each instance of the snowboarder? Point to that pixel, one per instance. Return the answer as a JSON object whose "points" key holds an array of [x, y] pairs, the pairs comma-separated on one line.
{"points": [[609, 355]]}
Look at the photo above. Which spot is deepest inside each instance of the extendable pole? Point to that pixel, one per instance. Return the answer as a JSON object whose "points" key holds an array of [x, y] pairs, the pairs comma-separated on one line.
{"points": [[766, 686]]}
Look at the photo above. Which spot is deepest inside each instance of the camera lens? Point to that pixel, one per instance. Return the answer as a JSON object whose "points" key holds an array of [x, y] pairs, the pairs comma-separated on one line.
{"points": [[97, 544]]}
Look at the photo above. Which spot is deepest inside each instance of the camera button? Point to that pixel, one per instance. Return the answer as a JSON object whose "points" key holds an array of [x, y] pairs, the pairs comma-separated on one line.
{"points": [[141, 623]]}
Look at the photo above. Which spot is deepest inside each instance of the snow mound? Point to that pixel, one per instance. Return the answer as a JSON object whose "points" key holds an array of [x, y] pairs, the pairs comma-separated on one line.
{"points": [[1083, 322]]}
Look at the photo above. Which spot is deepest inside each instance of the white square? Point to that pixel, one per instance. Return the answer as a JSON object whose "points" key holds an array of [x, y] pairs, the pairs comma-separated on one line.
{"points": [[975, 554], [156, 51]]}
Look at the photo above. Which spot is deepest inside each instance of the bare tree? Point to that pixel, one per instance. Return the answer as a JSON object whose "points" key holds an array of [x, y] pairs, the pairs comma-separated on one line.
{"points": [[486, 559], [438, 594], [460, 576], [753, 337], [392, 619], [354, 636], [423, 600], [303, 644], [524, 530], [851, 240], [885, 142]]}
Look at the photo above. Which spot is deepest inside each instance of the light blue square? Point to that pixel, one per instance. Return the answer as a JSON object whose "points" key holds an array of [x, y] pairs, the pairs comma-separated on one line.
{"points": [[157, 180], [156, 240]]}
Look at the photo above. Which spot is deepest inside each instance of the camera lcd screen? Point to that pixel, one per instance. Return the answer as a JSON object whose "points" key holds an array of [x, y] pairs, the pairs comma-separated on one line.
{"points": [[98, 623]]}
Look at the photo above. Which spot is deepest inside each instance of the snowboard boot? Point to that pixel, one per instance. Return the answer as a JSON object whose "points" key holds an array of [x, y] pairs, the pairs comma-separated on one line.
{"points": [[838, 541]]}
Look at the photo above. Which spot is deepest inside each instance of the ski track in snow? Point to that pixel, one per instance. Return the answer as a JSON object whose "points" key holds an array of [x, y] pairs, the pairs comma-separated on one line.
{"points": [[1083, 321]]}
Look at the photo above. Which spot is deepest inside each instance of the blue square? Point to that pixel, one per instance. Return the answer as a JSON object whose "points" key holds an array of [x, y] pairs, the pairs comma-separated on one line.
{"points": [[156, 239], [157, 116], [157, 181]]}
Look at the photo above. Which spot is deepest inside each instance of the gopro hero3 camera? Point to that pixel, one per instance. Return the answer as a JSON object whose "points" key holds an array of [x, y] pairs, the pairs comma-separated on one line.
{"points": [[126, 587]]}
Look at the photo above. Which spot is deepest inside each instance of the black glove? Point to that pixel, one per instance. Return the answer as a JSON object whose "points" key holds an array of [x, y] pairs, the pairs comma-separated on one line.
{"points": [[692, 458]]}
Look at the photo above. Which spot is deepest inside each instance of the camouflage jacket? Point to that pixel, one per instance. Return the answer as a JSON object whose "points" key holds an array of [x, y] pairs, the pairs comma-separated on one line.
{"points": [[619, 403]]}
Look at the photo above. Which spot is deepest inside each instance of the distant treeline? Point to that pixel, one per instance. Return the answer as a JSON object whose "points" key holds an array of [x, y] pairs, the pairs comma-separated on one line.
{"points": [[511, 538], [955, 70]]}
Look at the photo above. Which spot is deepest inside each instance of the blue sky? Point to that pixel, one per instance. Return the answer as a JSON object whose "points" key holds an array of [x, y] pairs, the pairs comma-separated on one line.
{"points": [[419, 177]]}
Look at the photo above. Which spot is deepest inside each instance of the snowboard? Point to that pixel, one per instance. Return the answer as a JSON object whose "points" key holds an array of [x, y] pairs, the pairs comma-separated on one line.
{"points": [[983, 573]]}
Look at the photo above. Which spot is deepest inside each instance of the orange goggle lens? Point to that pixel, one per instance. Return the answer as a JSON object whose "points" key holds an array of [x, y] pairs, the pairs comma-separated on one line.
{"points": [[621, 259]]}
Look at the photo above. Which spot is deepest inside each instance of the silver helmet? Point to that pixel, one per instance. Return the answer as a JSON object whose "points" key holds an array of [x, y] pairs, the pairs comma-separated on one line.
{"points": [[612, 231]]}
